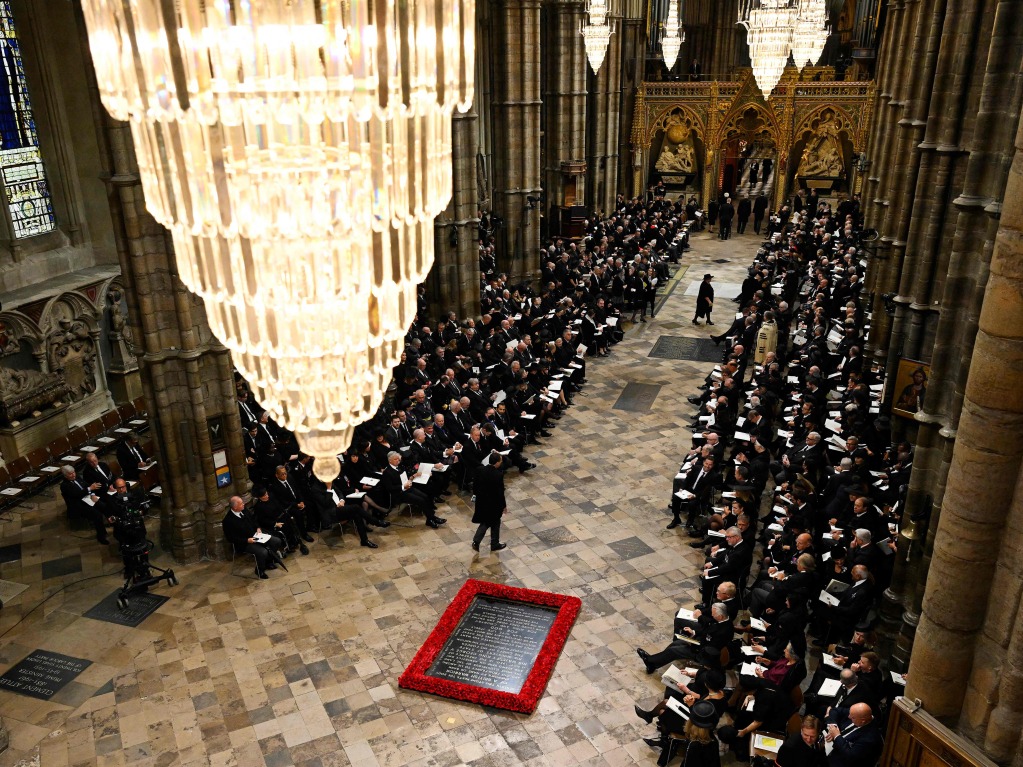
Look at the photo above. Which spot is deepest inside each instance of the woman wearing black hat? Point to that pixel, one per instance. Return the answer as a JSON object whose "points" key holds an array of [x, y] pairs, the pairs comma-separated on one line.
{"points": [[696, 737], [698, 731], [705, 300]]}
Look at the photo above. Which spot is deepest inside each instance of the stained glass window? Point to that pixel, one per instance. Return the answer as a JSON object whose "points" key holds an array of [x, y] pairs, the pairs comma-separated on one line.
{"points": [[21, 166]]}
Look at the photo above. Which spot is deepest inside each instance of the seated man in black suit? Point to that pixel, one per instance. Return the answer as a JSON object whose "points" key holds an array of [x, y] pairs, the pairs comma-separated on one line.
{"points": [[401, 490], [131, 457], [289, 495], [97, 474], [240, 529], [730, 562], [82, 502], [697, 487], [703, 647], [725, 594], [855, 737]]}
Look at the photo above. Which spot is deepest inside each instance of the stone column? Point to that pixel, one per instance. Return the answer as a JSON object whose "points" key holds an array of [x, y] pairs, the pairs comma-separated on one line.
{"points": [[186, 373], [515, 41], [454, 281], [603, 119], [565, 70], [973, 587]]}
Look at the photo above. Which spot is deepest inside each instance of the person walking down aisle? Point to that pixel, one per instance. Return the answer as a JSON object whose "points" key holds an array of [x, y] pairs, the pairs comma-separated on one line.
{"points": [[705, 300], [490, 502], [725, 215]]}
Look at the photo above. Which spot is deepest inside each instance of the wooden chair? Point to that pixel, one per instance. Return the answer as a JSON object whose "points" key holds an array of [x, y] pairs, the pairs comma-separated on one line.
{"points": [[58, 448], [139, 403], [38, 458], [20, 469], [125, 412], [94, 428], [78, 437], [110, 420]]}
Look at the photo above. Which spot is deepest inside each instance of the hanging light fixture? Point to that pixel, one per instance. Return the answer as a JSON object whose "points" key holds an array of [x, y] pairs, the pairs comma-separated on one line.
{"points": [[674, 36], [298, 151], [597, 33], [811, 32], [769, 25]]}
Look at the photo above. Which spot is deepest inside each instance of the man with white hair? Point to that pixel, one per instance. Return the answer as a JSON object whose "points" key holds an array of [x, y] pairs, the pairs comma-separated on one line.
{"points": [[82, 502], [702, 646]]}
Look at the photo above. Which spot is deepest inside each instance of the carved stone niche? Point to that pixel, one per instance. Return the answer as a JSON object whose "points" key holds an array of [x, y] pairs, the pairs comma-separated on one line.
{"points": [[26, 391], [71, 351]]}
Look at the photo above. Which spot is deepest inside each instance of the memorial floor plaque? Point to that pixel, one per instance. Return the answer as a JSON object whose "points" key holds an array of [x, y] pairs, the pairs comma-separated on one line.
{"points": [[495, 645], [42, 674]]}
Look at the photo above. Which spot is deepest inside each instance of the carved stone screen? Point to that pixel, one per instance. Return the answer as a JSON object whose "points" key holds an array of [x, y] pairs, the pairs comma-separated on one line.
{"points": [[495, 644]]}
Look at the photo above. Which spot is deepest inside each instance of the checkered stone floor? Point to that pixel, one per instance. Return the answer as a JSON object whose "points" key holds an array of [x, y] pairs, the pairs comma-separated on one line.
{"points": [[302, 669]]}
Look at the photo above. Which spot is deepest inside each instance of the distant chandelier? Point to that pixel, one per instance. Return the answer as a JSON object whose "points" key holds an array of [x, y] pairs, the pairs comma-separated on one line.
{"points": [[298, 151], [673, 38], [597, 33], [811, 32], [777, 28]]}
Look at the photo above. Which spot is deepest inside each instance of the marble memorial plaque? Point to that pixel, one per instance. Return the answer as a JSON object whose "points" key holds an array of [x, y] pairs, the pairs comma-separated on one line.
{"points": [[42, 674], [495, 644]]}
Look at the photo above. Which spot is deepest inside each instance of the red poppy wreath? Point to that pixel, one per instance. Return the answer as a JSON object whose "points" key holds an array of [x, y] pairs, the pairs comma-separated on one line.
{"points": [[495, 645]]}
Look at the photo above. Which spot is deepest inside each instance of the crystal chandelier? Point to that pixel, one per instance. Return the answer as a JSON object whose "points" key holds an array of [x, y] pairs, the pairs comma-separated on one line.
{"points": [[811, 32], [673, 38], [769, 25], [298, 151], [596, 34]]}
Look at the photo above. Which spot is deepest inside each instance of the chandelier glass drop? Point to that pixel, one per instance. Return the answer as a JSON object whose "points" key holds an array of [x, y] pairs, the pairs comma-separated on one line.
{"points": [[810, 33], [769, 25], [298, 151], [597, 33], [674, 36]]}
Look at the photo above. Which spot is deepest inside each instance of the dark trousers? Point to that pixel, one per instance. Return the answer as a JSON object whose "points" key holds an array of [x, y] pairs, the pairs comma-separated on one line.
{"points": [[495, 533], [418, 498], [725, 231], [261, 551], [741, 227], [757, 222], [358, 515], [677, 650]]}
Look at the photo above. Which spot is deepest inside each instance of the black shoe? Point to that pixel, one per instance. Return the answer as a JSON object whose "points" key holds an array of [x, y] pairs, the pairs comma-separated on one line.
{"points": [[695, 400], [653, 742], [695, 322], [261, 575], [499, 547], [646, 716], [696, 533], [545, 433], [475, 546], [439, 520], [303, 548], [709, 322], [306, 537], [697, 544], [673, 524], [272, 566], [645, 657], [368, 544], [642, 319], [432, 523]]}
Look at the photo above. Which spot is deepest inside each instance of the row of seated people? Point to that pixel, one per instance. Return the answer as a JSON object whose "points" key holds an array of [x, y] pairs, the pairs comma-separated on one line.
{"points": [[95, 496], [815, 517], [463, 389]]}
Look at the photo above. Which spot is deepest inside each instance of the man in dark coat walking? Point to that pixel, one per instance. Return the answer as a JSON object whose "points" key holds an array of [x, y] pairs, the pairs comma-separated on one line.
{"points": [[490, 503], [759, 209], [725, 215], [745, 208], [705, 300]]}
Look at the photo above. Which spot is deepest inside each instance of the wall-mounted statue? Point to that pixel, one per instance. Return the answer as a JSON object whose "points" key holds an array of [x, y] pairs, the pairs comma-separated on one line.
{"points": [[682, 160], [72, 352], [823, 155], [28, 391]]}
